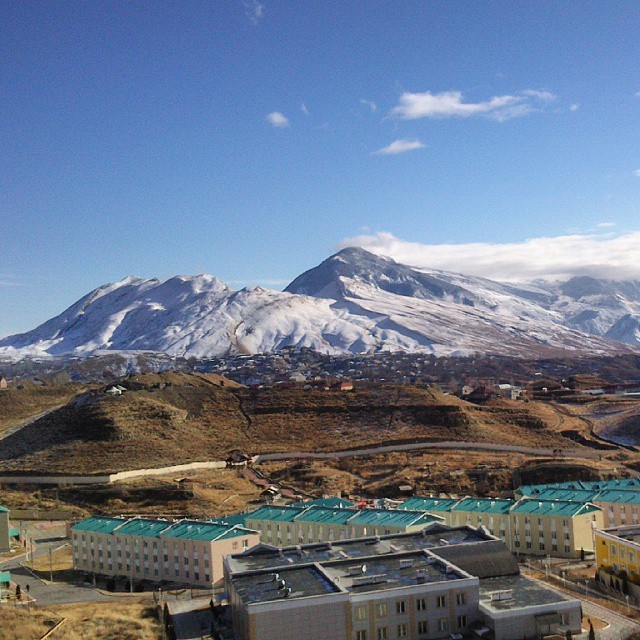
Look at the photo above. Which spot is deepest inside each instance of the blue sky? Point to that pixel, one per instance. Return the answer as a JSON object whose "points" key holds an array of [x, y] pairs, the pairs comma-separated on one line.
{"points": [[250, 139]]}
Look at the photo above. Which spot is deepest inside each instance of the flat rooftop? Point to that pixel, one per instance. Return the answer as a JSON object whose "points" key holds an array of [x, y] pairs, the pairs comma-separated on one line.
{"points": [[270, 558], [515, 592], [628, 532], [298, 582], [391, 572]]}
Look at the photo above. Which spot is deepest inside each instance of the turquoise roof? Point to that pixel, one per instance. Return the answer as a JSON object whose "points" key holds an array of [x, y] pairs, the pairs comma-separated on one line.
{"points": [[331, 502], [5, 576], [582, 485], [573, 495], [235, 518], [98, 524], [276, 514], [567, 508], [484, 505], [330, 516], [391, 517], [437, 505], [144, 527], [14, 532], [207, 531], [621, 496], [4, 509]]}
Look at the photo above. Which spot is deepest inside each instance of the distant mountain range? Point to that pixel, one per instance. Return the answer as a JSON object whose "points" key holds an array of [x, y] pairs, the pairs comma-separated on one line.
{"points": [[353, 302]]}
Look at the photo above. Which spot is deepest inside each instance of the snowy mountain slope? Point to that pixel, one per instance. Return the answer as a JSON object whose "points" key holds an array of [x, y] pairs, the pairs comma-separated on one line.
{"points": [[352, 302]]}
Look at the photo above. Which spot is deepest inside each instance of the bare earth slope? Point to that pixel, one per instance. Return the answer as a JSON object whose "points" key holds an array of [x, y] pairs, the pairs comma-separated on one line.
{"points": [[174, 418]]}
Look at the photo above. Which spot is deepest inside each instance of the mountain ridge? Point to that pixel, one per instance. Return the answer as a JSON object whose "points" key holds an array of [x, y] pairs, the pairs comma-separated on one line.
{"points": [[352, 302]]}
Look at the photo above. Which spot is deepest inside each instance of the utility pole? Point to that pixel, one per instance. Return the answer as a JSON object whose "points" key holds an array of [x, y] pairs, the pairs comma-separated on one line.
{"points": [[50, 565]]}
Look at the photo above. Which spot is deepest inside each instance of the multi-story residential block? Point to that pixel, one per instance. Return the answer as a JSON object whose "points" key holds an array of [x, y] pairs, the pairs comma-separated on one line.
{"points": [[288, 525], [186, 552], [529, 526], [619, 498], [5, 539], [433, 584], [618, 550]]}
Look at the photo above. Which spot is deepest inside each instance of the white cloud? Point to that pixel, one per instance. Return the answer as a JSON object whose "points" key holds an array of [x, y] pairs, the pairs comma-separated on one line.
{"points": [[598, 255], [399, 146], [303, 108], [254, 10], [449, 104], [372, 105], [574, 107], [637, 173], [278, 120], [606, 225]]}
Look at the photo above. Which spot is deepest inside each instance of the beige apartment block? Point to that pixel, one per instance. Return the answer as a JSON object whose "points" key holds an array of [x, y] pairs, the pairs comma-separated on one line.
{"points": [[5, 539], [139, 549]]}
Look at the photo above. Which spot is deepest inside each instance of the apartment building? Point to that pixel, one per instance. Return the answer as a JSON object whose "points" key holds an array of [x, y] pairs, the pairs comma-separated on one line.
{"points": [[529, 526], [187, 552], [618, 550], [554, 527], [619, 498], [432, 584], [286, 525]]}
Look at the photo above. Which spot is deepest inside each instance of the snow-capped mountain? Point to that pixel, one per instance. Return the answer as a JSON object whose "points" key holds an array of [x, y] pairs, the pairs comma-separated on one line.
{"points": [[353, 302]]}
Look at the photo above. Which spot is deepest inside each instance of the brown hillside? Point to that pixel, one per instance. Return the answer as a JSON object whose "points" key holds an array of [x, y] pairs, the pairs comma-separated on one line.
{"points": [[173, 418]]}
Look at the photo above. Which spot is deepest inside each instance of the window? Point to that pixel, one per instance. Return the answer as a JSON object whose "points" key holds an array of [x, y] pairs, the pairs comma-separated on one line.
{"points": [[381, 609], [462, 621], [402, 630], [401, 606], [542, 546], [421, 604], [461, 598], [423, 628], [614, 550], [443, 624], [567, 548], [381, 633], [528, 545], [361, 635], [361, 613], [441, 601]]}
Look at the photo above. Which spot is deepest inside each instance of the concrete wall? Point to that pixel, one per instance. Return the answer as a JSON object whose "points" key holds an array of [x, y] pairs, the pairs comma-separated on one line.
{"points": [[5, 541], [111, 477]]}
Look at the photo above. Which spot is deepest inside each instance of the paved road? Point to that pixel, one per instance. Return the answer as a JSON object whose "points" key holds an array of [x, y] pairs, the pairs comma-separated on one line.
{"points": [[48, 593], [416, 446], [619, 626]]}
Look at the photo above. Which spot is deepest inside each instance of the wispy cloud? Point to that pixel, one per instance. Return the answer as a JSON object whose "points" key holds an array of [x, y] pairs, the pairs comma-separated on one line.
{"points": [[603, 255], [574, 107], [278, 120], [449, 104], [372, 105], [606, 225], [254, 10], [303, 108], [399, 146]]}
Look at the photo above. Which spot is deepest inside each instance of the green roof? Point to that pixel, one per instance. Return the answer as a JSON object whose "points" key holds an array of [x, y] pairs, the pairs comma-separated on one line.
{"points": [[276, 514], [622, 496], [233, 519], [553, 507], [438, 505], [573, 495], [5, 576], [14, 532], [330, 516], [331, 502], [208, 531], [582, 485], [3, 509], [391, 517], [144, 527], [99, 525], [484, 505]]}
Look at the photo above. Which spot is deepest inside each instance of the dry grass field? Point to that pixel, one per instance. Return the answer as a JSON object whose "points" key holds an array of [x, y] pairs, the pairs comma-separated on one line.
{"points": [[107, 621], [20, 623], [172, 418]]}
